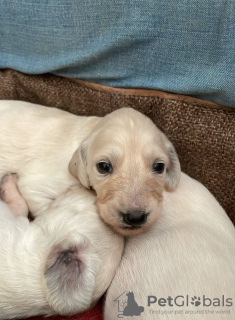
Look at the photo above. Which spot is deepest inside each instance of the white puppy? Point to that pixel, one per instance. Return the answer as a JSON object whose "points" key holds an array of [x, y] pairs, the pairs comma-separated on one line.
{"points": [[123, 157], [61, 263], [183, 267]]}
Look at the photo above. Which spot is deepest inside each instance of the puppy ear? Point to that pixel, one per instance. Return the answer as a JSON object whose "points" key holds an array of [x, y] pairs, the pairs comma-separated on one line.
{"points": [[173, 169], [78, 165], [70, 274]]}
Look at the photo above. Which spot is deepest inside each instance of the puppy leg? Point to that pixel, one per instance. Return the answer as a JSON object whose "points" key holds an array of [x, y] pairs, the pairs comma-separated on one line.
{"points": [[9, 193]]}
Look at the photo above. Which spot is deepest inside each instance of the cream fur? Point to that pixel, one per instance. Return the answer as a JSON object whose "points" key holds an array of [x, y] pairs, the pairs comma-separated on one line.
{"points": [[189, 251], [36, 273], [37, 143], [40, 143]]}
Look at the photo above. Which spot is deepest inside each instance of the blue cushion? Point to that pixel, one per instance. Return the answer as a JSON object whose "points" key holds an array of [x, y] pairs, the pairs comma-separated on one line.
{"points": [[180, 46]]}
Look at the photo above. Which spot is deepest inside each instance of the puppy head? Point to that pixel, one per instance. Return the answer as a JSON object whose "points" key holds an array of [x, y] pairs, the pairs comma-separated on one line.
{"points": [[129, 162], [70, 274]]}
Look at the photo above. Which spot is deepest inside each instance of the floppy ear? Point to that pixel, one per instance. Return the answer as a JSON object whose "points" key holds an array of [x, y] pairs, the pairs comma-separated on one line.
{"points": [[78, 165], [70, 274], [173, 169]]}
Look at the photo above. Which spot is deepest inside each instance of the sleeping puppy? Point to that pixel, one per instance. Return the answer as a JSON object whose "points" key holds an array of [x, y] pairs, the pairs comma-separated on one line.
{"points": [[61, 263], [182, 267], [123, 157]]}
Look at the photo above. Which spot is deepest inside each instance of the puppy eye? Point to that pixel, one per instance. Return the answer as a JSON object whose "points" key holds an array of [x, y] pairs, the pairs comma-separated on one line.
{"points": [[104, 167], [158, 167]]}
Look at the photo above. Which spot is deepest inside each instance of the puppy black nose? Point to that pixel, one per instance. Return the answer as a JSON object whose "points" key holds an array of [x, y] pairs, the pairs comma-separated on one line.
{"points": [[134, 218]]}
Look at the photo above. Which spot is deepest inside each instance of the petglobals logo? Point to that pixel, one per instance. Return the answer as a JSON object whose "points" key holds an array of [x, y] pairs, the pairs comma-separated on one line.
{"points": [[186, 301], [196, 305], [129, 306]]}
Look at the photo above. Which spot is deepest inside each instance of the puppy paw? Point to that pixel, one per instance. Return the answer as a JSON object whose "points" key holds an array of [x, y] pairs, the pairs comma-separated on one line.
{"points": [[9, 193], [4, 190]]}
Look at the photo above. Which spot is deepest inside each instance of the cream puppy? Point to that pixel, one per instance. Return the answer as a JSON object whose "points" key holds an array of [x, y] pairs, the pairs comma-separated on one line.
{"points": [[124, 157], [182, 267], [61, 263]]}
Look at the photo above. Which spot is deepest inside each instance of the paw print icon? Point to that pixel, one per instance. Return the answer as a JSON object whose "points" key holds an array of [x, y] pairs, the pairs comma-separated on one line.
{"points": [[196, 301]]}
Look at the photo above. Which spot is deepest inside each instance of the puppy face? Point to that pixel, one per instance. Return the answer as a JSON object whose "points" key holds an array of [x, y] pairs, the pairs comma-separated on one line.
{"points": [[129, 163]]}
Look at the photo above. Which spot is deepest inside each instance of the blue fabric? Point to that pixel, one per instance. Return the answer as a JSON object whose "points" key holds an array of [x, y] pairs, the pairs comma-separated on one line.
{"points": [[180, 46]]}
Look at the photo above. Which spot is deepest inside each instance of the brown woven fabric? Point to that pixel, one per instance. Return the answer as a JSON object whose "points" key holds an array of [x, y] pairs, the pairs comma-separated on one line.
{"points": [[202, 132]]}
